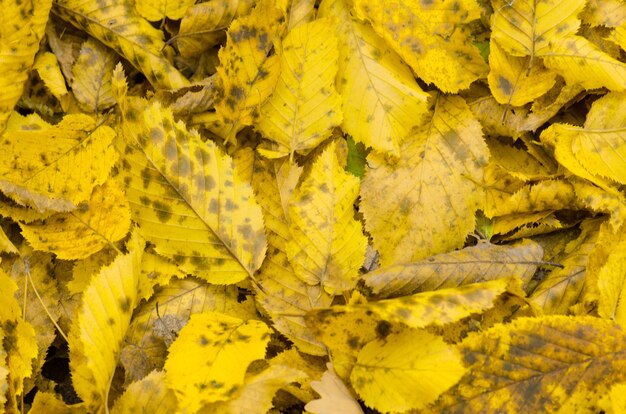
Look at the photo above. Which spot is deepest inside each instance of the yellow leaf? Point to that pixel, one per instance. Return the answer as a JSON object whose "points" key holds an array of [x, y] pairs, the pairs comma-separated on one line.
{"points": [[609, 13], [257, 392], [334, 396], [615, 401], [526, 27], [286, 299], [313, 366], [510, 81], [541, 196], [155, 10], [117, 25], [540, 365], [148, 395], [247, 71], [85, 269], [479, 263], [300, 12], [188, 199], [405, 371], [98, 330], [601, 200], [202, 25], [47, 67], [5, 244], [92, 74], [156, 270], [519, 163], [565, 286], [425, 204], [580, 61], [327, 245], [208, 361], [381, 100], [152, 331], [305, 106], [55, 167], [431, 37], [23, 25], [611, 283], [104, 219]]}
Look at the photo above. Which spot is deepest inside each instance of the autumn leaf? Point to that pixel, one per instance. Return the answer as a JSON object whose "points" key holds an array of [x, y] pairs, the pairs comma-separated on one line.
{"points": [[334, 395], [93, 73], [435, 177]]}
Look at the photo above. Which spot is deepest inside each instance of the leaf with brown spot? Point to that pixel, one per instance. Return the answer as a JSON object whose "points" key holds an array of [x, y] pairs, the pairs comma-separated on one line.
{"points": [[187, 198], [92, 75]]}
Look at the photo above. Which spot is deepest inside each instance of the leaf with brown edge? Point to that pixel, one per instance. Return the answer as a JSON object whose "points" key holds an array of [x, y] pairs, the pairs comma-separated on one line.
{"points": [[424, 204], [99, 222], [187, 198], [542, 364], [120, 27], [23, 27], [55, 167], [92, 75], [479, 263]]}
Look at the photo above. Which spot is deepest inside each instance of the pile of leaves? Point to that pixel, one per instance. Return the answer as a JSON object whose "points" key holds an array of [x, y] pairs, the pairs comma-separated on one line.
{"points": [[337, 206]]}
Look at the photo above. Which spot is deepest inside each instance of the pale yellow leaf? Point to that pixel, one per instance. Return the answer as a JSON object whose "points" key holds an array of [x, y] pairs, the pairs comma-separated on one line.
{"points": [[334, 396]]}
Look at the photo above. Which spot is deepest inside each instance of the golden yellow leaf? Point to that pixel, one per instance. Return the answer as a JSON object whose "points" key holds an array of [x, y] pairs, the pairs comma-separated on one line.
{"points": [[203, 24], [99, 222], [538, 365], [5, 244], [247, 71], [98, 330], [85, 269], [534, 197], [327, 245], [425, 204], [565, 286], [301, 12], [305, 105], [611, 202], [381, 100], [47, 67], [23, 25], [510, 80], [580, 61], [479, 263], [208, 360], [334, 396], [54, 167], [519, 163], [155, 10], [611, 281], [405, 371], [548, 105], [92, 74], [257, 392], [187, 198], [118, 26], [156, 270], [148, 395], [152, 331], [614, 402], [431, 37], [527, 27], [609, 13]]}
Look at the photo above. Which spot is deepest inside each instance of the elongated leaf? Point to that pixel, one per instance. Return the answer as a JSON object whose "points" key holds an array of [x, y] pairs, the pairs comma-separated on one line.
{"points": [[611, 284], [405, 371], [92, 74], [104, 219], [208, 361], [479, 263], [381, 100], [526, 27], [425, 204], [203, 24], [430, 37], [55, 167], [5, 244], [149, 394], [327, 245], [117, 25], [305, 106], [510, 81], [539, 365], [580, 61], [23, 27], [187, 198], [98, 331], [47, 66], [247, 71]]}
